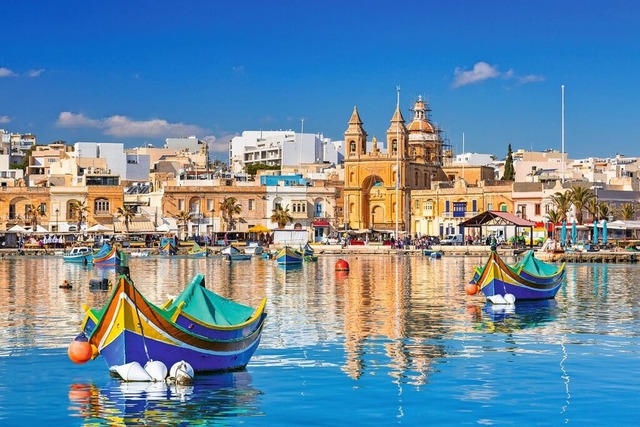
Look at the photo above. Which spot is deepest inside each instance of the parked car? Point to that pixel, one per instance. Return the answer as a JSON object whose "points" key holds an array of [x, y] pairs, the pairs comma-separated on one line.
{"points": [[452, 239]]}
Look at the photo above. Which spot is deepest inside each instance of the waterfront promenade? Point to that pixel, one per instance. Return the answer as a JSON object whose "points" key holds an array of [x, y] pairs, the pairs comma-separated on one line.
{"points": [[601, 256]]}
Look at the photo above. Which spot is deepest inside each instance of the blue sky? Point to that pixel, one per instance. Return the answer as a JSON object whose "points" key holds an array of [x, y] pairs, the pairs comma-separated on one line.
{"points": [[137, 71]]}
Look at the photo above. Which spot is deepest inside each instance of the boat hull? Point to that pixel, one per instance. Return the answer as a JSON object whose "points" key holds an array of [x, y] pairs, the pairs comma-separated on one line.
{"points": [[82, 259], [288, 256], [130, 329], [497, 278]]}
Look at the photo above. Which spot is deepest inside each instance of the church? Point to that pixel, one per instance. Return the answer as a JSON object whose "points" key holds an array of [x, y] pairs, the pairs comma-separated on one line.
{"points": [[378, 185]]}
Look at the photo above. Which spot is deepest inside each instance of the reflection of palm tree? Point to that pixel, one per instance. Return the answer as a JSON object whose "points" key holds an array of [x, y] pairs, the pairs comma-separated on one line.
{"points": [[281, 216], [228, 208], [79, 210], [127, 213], [183, 218]]}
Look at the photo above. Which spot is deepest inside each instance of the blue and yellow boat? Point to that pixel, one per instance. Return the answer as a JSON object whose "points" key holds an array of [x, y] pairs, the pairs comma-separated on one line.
{"points": [[529, 279], [107, 255], [289, 256], [206, 330]]}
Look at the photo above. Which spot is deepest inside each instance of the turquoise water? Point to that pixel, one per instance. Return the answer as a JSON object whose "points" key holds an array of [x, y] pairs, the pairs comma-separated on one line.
{"points": [[395, 341]]}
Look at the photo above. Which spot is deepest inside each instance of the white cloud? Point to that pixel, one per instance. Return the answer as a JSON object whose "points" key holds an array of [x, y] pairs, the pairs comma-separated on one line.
{"points": [[483, 71], [531, 78], [35, 73], [5, 119], [219, 144], [238, 69], [123, 127], [5, 72]]}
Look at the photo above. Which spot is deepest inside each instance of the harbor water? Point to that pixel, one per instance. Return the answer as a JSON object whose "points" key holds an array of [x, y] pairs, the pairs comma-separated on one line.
{"points": [[395, 341]]}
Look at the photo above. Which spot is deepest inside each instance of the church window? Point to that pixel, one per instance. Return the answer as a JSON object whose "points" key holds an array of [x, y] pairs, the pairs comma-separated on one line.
{"points": [[352, 146], [394, 146]]}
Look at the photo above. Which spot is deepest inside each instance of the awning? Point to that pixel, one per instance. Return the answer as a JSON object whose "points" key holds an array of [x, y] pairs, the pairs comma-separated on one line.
{"points": [[320, 224], [136, 227]]}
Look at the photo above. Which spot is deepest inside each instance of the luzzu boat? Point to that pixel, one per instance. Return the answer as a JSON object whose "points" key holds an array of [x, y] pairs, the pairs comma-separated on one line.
{"points": [[529, 279], [206, 330], [289, 256], [79, 254], [107, 255], [197, 251]]}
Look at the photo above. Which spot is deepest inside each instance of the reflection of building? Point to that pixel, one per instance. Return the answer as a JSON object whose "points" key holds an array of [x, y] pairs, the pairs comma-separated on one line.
{"points": [[415, 153]]}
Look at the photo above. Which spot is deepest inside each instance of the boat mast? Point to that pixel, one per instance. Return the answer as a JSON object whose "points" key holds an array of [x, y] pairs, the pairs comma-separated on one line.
{"points": [[562, 133]]}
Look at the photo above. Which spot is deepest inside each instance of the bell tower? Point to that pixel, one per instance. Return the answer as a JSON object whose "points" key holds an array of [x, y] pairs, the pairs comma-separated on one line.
{"points": [[397, 136], [355, 138]]}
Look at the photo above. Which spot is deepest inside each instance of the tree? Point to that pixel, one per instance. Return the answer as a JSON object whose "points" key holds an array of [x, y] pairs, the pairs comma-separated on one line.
{"points": [[183, 219], [252, 169], [580, 197], [562, 203], [627, 211], [127, 213], [554, 218], [509, 171], [34, 215], [79, 210], [228, 208], [281, 216]]}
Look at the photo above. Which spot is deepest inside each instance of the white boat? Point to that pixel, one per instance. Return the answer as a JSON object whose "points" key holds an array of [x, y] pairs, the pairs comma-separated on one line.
{"points": [[140, 254], [230, 250], [83, 254], [253, 248]]}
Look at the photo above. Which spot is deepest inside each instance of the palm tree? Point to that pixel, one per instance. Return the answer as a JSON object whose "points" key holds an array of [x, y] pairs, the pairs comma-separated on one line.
{"points": [[34, 213], [562, 203], [184, 218], [554, 217], [127, 213], [580, 197], [228, 208], [627, 211], [79, 210], [281, 216]]}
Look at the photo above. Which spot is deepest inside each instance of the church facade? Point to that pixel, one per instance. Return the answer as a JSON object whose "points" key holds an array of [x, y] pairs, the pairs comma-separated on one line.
{"points": [[378, 185]]}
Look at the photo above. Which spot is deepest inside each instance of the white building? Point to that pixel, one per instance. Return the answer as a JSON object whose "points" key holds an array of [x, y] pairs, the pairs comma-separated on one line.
{"points": [[275, 148], [474, 159]]}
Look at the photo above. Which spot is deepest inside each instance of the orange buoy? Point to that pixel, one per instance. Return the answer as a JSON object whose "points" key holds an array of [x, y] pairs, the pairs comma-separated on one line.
{"points": [[342, 265], [80, 350], [471, 288]]}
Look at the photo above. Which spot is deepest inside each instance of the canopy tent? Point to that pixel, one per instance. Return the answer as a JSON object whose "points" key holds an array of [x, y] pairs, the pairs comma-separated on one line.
{"points": [[259, 229], [499, 218], [39, 229], [98, 228], [17, 229], [163, 228]]}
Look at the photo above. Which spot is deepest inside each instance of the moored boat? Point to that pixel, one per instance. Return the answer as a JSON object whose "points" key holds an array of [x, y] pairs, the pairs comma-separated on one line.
{"points": [[529, 279], [238, 257], [289, 255], [79, 254], [206, 330], [140, 254], [107, 255], [197, 251], [253, 248]]}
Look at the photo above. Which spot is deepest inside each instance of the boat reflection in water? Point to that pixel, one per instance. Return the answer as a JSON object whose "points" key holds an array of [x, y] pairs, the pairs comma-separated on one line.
{"points": [[522, 315], [210, 398]]}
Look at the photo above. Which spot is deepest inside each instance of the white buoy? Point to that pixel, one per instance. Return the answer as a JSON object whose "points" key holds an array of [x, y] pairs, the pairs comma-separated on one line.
{"points": [[497, 299], [156, 370], [510, 298], [182, 373], [132, 372]]}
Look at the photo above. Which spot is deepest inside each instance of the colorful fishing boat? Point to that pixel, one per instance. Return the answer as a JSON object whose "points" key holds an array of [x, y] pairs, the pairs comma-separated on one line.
{"points": [[206, 330], [79, 254], [529, 279], [107, 255], [197, 251], [167, 246], [289, 256], [238, 257]]}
